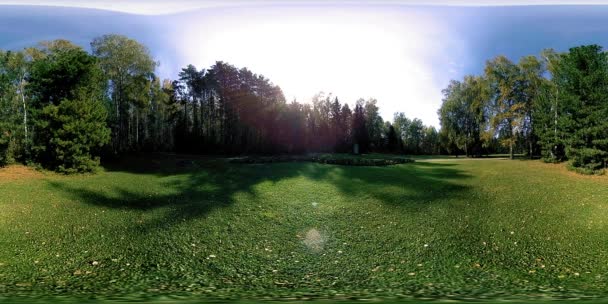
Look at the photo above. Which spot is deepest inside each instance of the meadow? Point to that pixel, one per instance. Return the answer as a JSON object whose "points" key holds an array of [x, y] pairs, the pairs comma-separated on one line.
{"points": [[190, 227]]}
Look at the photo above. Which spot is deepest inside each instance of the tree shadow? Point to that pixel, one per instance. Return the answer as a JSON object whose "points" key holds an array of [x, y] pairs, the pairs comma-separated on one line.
{"points": [[413, 186], [196, 186]]}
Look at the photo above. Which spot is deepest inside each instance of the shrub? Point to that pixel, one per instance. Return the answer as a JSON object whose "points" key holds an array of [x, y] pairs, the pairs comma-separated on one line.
{"points": [[330, 160]]}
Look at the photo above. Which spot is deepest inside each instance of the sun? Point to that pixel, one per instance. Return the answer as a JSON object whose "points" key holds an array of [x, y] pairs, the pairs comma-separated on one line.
{"points": [[351, 54]]}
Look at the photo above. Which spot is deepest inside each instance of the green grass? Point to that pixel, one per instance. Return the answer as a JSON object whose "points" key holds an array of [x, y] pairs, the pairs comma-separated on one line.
{"points": [[439, 229]]}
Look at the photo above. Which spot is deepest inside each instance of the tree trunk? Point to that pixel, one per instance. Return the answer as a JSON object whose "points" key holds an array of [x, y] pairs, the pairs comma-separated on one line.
{"points": [[136, 127], [511, 149], [555, 119], [21, 90]]}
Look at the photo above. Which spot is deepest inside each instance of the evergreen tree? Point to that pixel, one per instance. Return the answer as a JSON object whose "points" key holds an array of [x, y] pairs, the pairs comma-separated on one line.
{"points": [[360, 132], [582, 77], [67, 87]]}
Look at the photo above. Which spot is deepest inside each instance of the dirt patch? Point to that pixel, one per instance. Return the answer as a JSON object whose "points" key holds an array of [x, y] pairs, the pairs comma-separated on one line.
{"points": [[18, 172]]}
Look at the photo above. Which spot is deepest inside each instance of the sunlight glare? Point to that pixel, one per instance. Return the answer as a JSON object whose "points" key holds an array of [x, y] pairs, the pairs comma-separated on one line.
{"points": [[349, 54]]}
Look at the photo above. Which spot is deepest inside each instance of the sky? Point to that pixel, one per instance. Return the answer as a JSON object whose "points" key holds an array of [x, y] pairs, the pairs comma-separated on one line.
{"points": [[403, 53]]}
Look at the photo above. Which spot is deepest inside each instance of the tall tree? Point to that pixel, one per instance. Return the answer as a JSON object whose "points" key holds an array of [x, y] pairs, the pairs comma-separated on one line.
{"points": [[463, 114], [360, 131], [401, 124], [530, 81], [506, 104], [128, 66], [374, 123], [548, 112], [14, 106], [582, 76], [430, 141], [346, 120]]}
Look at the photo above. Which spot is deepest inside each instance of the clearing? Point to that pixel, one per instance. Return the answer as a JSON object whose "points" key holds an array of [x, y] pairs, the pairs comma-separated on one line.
{"points": [[203, 227]]}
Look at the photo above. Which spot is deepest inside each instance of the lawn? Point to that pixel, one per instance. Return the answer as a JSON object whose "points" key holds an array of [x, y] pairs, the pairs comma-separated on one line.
{"points": [[192, 228]]}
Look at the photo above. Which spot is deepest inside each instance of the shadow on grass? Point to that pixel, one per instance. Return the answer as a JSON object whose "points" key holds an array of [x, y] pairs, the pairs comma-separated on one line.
{"points": [[196, 186], [413, 186]]}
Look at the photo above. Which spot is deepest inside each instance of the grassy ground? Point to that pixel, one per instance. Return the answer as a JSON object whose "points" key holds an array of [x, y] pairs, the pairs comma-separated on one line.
{"points": [[447, 228]]}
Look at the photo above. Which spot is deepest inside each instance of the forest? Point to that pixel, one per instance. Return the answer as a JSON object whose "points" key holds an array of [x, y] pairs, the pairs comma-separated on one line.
{"points": [[64, 109], [554, 106]]}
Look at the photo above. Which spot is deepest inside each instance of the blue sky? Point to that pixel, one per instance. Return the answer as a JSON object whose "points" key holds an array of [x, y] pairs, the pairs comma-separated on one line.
{"points": [[399, 53]]}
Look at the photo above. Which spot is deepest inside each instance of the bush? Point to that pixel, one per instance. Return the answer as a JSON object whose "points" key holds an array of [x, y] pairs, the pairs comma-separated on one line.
{"points": [[587, 160], [585, 170], [330, 160]]}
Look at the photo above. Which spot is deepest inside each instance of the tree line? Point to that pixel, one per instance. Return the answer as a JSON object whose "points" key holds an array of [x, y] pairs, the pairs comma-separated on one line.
{"points": [[553, 106], [63, 108]]}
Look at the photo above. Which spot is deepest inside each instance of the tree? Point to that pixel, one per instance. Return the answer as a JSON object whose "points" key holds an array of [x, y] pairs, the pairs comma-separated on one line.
{"points": [[70, 117], [508, 108], [401, 124], [413, 142], [392, 140], [582, 76], [430, 141], [360, 132], [128, 66], [530, 80], [463, 115], [337, 131], [374, 123], [160, 125], [547, 112], [8, 108], [14, 106], [346, 120]]}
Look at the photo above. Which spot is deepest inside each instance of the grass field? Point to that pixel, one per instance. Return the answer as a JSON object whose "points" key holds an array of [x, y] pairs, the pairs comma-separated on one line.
{"points": [[437, 228]]}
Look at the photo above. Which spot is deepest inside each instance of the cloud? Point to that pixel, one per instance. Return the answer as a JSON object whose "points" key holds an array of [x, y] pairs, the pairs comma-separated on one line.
{"points": [[164, 7]]}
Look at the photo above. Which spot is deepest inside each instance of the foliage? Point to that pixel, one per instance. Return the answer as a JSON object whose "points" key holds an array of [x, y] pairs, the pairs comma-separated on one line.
{"points": [[219, 110], [463, 115], [583, 81], [13, 107], [561, 117], [332, 159], [129, 67], [505, 104], [70, 116]]}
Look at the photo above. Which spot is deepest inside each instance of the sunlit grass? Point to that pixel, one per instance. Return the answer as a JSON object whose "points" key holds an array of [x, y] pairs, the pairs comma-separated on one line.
{"points": [[432, 229]]}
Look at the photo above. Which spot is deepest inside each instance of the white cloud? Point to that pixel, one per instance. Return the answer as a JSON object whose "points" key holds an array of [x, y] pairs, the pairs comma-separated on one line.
{"points": [[162, 7]]}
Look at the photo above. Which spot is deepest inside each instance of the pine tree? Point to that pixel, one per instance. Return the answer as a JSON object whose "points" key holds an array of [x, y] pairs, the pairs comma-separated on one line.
{"points": [[582, 77], [70, 118]]}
